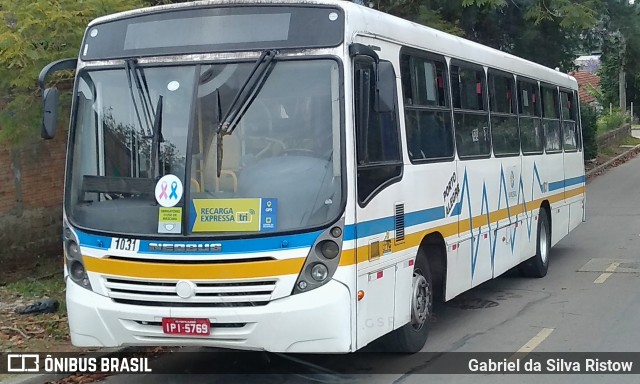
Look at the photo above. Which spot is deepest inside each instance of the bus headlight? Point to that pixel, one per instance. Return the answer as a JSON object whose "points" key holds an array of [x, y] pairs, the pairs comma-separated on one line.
{"points": [[329, 249], [322, 260], [319, 272], [73, 249], [75, 266]]}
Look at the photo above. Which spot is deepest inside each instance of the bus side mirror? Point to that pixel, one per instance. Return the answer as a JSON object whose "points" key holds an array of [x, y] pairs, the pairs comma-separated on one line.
{"points": [[49, 113], [385, 101], [50, 96]]}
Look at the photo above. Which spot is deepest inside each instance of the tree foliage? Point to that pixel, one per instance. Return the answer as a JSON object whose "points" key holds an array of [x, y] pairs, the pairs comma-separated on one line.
{"points": [[32, 34], [550, 32], [545, 31], [589, 118], [619, 36]]}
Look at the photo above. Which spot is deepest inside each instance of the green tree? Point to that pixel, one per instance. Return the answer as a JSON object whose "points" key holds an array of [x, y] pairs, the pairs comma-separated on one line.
{"points": [[32, 34], [545, 31], [619, 34]]}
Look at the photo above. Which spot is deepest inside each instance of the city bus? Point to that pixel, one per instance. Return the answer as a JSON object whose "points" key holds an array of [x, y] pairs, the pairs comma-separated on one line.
{"points": [[301, 175]]}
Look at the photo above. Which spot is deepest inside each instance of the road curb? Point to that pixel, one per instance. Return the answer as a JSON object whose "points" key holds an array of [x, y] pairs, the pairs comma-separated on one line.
{"points": [[608, 163], [51, 377]]}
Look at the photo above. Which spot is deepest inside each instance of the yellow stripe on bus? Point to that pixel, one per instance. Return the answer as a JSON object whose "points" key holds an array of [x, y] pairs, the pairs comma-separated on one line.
{"points": [[260, 269], [150, 270], [456, 228]]}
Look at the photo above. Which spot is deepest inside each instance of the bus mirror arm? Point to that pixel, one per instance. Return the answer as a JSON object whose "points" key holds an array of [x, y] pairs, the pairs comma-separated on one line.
{"points": [[50, 96], [383, 77]]}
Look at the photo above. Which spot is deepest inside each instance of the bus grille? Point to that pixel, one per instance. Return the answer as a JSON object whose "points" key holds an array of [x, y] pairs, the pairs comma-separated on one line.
{"points": [[205, 294]]}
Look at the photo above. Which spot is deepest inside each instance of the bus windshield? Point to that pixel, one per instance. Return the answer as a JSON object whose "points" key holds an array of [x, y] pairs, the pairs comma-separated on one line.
{"points": [[280, 167]]}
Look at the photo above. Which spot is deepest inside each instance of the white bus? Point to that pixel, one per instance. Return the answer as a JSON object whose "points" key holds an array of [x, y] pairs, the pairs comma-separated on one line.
{"points": [[301, 176]]}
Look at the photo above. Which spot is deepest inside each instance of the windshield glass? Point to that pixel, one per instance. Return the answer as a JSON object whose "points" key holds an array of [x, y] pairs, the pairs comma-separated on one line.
{"points": [[280, 167]]}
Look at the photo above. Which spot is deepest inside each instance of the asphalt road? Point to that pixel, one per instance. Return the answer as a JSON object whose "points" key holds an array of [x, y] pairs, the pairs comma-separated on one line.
{"points": [[574, 308]]}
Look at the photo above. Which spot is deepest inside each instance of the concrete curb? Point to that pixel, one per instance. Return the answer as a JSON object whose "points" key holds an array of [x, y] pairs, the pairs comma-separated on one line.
{"points": [[41, 378], [608, 163]]}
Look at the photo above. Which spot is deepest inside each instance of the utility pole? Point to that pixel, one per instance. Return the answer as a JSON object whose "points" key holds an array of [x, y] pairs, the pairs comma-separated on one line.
{"points": [[622, 82]]}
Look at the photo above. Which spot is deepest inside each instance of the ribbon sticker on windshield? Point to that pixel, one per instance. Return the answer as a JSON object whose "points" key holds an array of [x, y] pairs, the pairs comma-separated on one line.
{"points": [[234, 215], [169, 191]]}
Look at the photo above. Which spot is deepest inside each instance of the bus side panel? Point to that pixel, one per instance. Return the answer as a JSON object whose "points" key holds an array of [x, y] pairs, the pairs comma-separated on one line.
{"points": [[531, 190], [479, 195], [574, 187], [375, 310], [508, 237], [555, 177], [458, 272]]}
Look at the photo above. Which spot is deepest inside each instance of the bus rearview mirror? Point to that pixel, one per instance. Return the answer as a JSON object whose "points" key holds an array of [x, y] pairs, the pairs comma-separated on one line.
{"points": [[385, 88], [49, 113]]}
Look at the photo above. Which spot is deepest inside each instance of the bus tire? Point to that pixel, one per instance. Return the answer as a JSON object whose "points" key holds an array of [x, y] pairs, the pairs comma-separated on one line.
{"points": [[411, 337], [538, 265]]}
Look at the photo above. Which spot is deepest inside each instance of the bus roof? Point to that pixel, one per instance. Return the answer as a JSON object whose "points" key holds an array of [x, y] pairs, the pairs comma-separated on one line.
{"points": [[362, 20]]}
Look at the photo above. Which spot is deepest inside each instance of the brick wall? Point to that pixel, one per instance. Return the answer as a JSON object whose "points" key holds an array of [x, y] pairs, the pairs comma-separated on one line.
{"points": [[31, 187]]}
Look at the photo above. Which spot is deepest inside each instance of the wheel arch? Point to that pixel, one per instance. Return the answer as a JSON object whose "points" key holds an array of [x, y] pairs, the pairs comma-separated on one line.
{"points": [[547, 207], [435, 250]]}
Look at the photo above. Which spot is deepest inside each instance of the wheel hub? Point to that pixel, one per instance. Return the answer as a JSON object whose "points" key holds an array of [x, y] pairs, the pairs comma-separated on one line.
{"points": [[544, 246], [420, 301]]}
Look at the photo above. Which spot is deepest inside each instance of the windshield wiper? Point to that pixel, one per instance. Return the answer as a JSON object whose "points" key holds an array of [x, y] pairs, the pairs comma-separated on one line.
{"points": [[131, 66], [242, 101], [153, 119], [156, 139]]}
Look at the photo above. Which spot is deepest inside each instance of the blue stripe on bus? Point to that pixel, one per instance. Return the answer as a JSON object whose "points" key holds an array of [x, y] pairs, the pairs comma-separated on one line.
{"points": [[574, 181], [302, 240], [376, 226], [566, 183], [556, 185]]}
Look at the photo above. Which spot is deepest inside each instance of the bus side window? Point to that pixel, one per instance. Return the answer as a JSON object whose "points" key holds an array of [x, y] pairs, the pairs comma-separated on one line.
{"points": [[504, 121], [551, 119], [377, 136], [531, 134], [570, 134], [471, 117], [426, 108]]}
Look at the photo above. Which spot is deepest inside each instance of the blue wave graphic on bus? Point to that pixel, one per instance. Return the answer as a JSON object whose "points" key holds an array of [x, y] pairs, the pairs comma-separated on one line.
{"points": [[475, 236]]}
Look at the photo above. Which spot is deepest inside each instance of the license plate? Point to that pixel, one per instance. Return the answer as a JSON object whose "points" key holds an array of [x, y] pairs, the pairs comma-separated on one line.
{"points": [[190, 327]]}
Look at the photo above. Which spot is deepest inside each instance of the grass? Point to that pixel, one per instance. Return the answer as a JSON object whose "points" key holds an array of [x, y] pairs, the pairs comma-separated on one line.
{"points": [[615, 148], [630, 141], [52, 287], [610, 121]]}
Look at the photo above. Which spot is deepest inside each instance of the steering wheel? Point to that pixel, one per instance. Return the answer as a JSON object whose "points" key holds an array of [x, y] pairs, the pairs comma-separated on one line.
{"points": [[269, 145]]}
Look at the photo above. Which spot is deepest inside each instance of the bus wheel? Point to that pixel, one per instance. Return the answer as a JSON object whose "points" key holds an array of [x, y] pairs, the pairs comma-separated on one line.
{"points": [[411, 337], [538, 265]]}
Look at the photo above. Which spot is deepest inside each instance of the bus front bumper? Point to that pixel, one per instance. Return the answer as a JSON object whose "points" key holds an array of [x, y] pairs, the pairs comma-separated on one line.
{"points": [[315, 321]]}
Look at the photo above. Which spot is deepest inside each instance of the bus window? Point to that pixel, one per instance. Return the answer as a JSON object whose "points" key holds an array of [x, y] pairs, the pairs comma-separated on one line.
{"points": [[551, 119], [504, 121], [378, 143], [470, 113], [568, 121], [427, 113], [531, 133]]}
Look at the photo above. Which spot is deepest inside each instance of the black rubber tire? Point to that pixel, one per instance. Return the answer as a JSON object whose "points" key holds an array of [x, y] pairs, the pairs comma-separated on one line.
{"points": [[537, 266], [407, 339]]}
